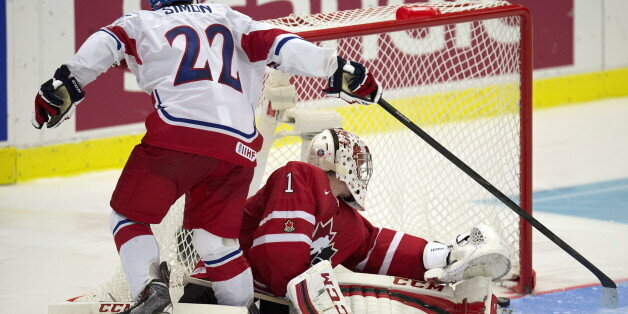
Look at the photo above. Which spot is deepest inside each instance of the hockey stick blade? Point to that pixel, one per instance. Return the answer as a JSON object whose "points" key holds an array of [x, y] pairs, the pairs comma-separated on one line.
{"points": [[609, 295], [609, 298]]}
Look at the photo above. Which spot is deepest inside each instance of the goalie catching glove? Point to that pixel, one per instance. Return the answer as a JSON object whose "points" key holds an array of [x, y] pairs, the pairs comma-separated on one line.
{"points": [[353, 83], [57, 99], [478, 254]]}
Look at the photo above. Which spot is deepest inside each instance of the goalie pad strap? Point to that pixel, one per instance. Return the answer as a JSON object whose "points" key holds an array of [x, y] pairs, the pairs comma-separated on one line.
{"points": [[317, 291], [421, 302], [368, 293], [303, 299]]}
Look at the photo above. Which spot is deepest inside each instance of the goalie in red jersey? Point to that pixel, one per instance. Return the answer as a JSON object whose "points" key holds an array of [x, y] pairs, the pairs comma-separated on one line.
{"points": [[309, 212]]}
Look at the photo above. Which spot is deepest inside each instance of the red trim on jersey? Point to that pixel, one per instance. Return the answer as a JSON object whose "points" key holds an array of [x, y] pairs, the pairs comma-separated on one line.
{"points": [[129, 232], [257, 44], [380, 247], [223, 272], [130, 47], [199, 270], [196, 141], [228, 270]]}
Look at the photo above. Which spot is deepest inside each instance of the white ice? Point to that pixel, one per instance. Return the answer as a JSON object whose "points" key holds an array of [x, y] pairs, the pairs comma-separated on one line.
{"points": [[56, 244]]}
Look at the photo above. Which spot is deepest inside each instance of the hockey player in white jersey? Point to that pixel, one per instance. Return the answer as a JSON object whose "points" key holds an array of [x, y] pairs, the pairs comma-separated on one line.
{"points": [[203, 64]]}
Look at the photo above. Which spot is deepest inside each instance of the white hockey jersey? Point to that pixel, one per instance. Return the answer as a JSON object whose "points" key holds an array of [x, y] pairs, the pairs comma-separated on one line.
{"points": [[203, 64]]}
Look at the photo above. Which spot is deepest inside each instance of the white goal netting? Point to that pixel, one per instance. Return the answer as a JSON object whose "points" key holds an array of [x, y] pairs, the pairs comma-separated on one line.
{"points": [[460, 82]]}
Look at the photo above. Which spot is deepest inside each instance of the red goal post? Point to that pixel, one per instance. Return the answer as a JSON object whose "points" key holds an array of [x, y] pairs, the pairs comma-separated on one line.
{"points": [[345, 29]]}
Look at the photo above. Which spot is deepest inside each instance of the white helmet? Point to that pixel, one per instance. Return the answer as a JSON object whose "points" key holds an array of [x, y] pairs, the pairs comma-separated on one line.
{"points": [[348, 156]]}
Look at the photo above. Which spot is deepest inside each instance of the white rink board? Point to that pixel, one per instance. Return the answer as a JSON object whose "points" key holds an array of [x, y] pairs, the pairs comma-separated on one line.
{"points": [[600, 43]]}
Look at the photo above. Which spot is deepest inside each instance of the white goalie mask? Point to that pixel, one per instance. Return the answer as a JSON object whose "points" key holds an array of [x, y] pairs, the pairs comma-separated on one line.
{"points": [[348, 156]]}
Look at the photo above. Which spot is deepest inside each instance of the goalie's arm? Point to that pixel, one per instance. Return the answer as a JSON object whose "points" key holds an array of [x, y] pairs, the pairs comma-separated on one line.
{"points": [[280, 49], [389, 252]]}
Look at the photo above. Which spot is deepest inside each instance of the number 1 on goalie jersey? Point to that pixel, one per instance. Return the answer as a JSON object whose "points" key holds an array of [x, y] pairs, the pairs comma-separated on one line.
{"points": [[289, 188]]}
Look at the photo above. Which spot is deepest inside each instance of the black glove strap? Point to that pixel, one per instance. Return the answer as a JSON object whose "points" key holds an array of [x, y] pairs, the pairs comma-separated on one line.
{"points": [[359, 74], [334, 85], [48, 92], [71, 84]]}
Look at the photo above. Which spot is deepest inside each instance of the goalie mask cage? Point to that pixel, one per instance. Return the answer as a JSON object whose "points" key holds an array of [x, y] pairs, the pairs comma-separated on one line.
{"points": [[460, 70]]}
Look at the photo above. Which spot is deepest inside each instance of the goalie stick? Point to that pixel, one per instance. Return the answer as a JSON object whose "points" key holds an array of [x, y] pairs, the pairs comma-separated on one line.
{"points": [[609, 294]]}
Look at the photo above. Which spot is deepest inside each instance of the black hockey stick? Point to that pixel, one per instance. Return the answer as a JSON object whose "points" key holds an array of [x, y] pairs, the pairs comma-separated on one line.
{"points": [[609, 294]]}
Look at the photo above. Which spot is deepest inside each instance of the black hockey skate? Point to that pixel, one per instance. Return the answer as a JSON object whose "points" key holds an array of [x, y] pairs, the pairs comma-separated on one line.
{"points": [[155, 298]]}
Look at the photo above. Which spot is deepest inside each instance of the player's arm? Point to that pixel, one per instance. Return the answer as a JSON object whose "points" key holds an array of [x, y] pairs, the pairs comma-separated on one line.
{"points": [[281, 244], [292, 54], [112, 45], [389, 252], [99, 52], [57, 98], [281, 49]]}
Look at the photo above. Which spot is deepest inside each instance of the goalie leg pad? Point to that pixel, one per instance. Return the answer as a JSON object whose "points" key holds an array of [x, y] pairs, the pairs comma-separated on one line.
{"points": [[223, 265], [368, 293], [279, 92]]}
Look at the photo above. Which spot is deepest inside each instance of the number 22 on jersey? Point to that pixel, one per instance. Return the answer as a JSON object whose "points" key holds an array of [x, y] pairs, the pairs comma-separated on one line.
{"points": [[187, 72]]}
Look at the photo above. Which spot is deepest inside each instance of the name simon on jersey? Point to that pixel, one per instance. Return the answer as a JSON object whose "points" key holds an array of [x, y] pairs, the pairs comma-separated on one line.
{"points": [[187, 8]]}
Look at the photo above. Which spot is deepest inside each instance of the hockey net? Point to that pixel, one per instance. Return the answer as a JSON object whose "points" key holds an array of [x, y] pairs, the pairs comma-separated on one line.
{"points": [[461, 71]]}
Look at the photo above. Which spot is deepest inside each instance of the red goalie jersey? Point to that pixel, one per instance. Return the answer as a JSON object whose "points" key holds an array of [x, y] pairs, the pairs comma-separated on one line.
{"points": [[295, 221]]}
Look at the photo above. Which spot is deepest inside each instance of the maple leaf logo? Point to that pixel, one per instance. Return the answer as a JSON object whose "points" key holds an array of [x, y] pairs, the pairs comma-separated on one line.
{"points": [[323, 245], [289, 226]]}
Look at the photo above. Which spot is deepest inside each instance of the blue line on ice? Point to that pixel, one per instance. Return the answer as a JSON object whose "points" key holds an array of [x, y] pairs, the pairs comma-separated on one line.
{"points": [[606, 200], [581, 300]]}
